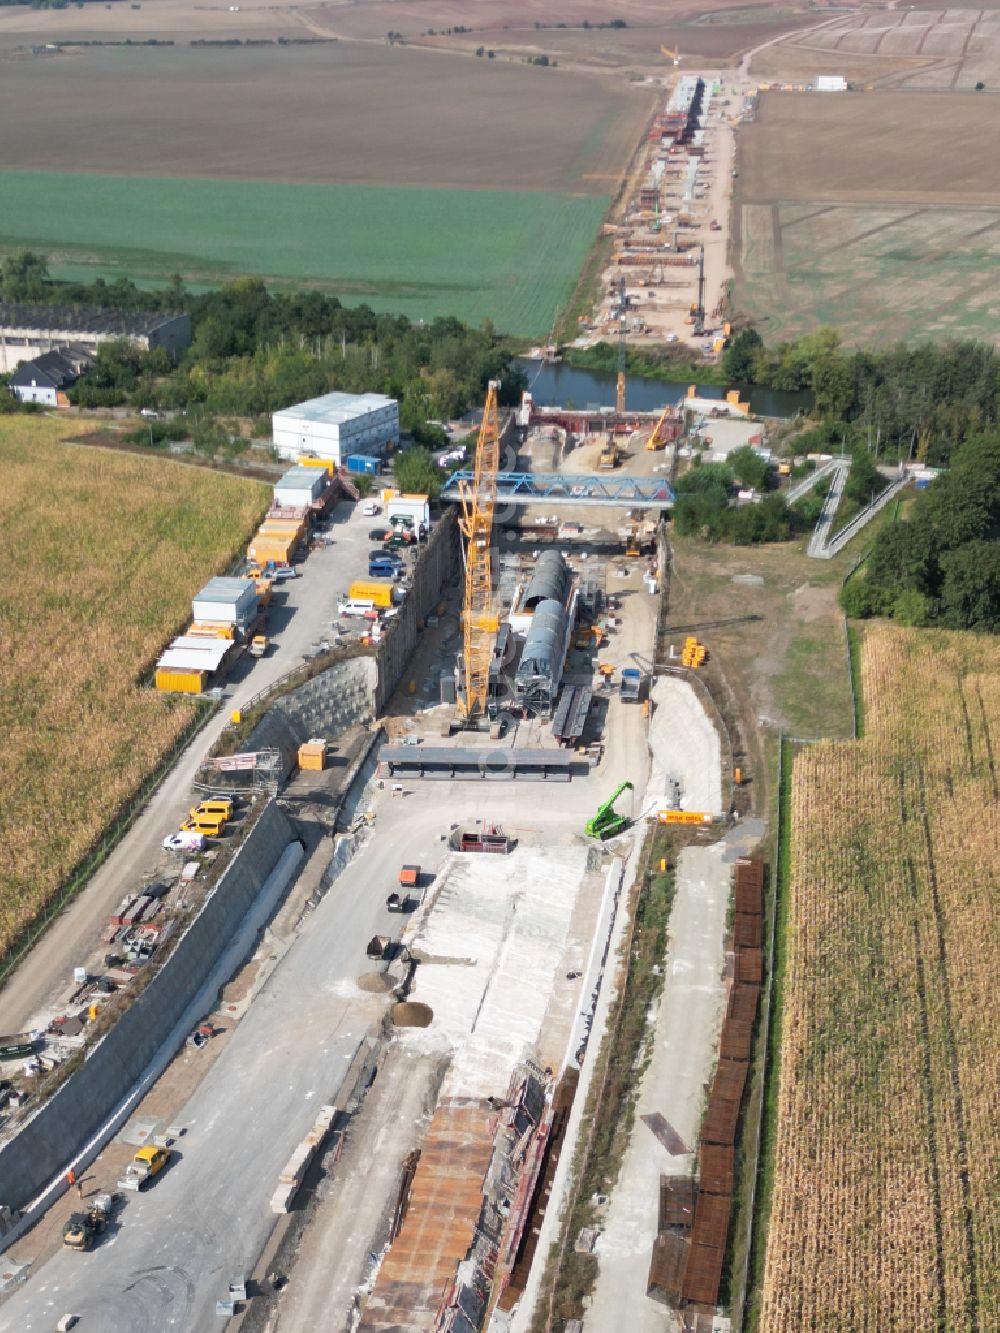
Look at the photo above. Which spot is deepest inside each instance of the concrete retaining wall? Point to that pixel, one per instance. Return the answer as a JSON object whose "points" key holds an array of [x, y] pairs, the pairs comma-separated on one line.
{"points": [[438, 565], [330, 703], [85, 1103]]}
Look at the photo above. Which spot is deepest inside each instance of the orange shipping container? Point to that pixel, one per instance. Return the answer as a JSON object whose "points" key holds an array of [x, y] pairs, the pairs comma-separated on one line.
{"points": [[271, 552]]}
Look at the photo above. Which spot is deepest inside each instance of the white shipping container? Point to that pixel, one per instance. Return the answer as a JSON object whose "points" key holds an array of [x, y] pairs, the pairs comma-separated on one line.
{"points": [[226, 602], [300, 486], [415, 507]]}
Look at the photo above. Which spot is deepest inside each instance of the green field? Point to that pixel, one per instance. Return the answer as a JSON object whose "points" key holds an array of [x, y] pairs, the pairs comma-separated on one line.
{"points": [[510, 256]]}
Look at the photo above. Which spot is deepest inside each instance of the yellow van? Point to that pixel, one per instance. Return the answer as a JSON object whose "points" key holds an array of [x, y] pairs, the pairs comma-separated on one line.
{"points": [[221, 807], [210, 826]]}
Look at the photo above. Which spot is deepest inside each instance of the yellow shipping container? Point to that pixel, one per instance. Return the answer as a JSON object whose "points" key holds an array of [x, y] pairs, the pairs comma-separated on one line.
{"points": [[327, 463], [283, 531], [180, 682], [271, 551], [312, 756], [210, 630], [379, 593]]}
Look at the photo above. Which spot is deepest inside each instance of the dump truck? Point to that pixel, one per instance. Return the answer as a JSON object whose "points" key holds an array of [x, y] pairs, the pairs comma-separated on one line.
{"points": [[631, 685], [379, 946], [144, 1166], [83, 1228], [409, 877], [609, 457], [606, 823]]}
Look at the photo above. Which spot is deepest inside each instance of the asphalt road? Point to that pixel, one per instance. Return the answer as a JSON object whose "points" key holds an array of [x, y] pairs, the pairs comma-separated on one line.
{"points": [[208, 1217], [301, 616]]}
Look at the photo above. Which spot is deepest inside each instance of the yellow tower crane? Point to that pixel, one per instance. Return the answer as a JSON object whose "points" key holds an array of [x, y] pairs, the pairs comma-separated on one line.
{"points": [[480, 621]]}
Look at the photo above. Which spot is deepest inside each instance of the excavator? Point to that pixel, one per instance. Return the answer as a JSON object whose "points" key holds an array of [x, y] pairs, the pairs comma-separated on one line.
{"points": [[658, 440], [608, 822]]}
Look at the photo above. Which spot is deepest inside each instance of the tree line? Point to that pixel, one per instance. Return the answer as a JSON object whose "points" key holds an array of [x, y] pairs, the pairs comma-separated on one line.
{"points": [[910, 402], [255, 351], [940, 564]]}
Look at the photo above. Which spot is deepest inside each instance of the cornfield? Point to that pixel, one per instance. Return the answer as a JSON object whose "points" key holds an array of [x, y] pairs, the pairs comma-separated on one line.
{"points": [[883, 1209], [102, 553]]}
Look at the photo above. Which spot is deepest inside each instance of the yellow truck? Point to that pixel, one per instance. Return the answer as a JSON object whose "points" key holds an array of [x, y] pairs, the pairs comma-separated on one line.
{"points": [[379, 593], [147, 1163]]}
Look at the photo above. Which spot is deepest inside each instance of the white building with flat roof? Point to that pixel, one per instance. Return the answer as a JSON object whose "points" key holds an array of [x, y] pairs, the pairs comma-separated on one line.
{"points": [[336, 426]]}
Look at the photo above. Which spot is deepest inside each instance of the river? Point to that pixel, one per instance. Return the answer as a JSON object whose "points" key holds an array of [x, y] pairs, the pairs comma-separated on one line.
{"points": [[560, 385]]}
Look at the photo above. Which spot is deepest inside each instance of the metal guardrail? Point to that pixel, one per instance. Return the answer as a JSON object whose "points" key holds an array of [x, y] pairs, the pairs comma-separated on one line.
{"points": [[804, 486], [851, 530]]}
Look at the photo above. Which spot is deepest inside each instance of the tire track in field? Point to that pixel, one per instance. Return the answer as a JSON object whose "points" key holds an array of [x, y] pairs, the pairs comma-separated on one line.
{"points": [[987, 740], [965, 46], [926, 1080], [807, 217], [927, 32], [872, 231], [958, 1102], [885, 33]]}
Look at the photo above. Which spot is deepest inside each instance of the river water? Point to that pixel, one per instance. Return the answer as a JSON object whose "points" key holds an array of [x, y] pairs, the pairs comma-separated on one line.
{"points": [[560, 385]]}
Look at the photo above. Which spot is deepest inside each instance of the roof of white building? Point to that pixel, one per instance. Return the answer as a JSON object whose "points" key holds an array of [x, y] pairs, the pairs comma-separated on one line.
{"points": [[337, 407], [189, 653]]}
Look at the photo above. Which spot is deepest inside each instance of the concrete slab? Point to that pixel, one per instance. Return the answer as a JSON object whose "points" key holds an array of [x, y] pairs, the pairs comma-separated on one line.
{"points": [[141, 1130], [687, 1027], [685, 749], [497, 929]]}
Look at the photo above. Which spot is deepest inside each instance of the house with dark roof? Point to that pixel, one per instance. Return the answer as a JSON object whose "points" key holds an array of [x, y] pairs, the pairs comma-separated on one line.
{"points": [[47, 378], [26, 331]]}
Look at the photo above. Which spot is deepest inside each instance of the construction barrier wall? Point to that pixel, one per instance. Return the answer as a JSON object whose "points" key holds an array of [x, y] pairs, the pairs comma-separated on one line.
{"points": [[436, 568], [77, 1111]]}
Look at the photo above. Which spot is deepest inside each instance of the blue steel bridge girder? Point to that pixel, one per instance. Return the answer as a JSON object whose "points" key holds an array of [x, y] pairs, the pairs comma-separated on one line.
{"points": [[561, 488]]}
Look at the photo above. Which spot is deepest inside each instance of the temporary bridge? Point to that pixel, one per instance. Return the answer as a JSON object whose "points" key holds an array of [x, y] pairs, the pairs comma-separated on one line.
{"points": [[561, 488]]}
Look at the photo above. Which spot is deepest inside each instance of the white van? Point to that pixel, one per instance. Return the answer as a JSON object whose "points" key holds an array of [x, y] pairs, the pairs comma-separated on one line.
{"points": [[356, 606]]}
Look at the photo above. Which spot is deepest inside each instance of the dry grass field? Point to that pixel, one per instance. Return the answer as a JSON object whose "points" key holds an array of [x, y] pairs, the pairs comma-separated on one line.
{"points": [[883, 1212], [888, 233], [928, 48], [102, 553]]}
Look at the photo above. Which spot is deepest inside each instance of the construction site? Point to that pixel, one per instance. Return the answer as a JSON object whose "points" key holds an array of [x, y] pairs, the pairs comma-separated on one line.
{"points": [[364, 845], [668, 273]]}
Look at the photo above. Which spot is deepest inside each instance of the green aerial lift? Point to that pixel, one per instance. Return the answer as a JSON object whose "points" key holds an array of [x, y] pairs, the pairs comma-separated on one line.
{"points": [[607, 822]]}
